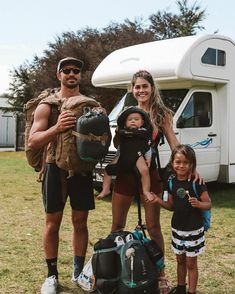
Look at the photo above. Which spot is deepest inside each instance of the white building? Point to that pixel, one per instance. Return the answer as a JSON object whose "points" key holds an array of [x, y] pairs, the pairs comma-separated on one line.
{"points": [[7, 126]]}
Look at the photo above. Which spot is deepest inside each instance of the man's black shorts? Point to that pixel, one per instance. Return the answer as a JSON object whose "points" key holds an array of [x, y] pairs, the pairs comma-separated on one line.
{"points": [[56, 187]]}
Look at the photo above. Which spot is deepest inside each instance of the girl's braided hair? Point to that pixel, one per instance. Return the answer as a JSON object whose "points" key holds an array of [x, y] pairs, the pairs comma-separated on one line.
{"points": [[157, 109]]}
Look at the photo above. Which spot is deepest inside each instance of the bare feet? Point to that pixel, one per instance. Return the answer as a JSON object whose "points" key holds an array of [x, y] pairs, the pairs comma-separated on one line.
{"points": [[103, 194], [164, 285]]}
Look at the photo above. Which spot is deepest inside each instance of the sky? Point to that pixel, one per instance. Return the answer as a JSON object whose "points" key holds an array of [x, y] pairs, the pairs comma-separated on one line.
{"points": [[27, 26]]}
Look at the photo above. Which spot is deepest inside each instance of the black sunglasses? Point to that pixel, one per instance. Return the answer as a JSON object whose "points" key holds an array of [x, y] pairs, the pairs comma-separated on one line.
{"points": [[67, 71]]}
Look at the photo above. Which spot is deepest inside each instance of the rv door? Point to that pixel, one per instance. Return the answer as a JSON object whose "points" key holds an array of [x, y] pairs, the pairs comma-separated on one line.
{"points": [[197, 124]]}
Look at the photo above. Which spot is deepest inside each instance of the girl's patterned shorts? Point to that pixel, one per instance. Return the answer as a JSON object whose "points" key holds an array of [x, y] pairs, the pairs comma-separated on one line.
{"points": [[191, 243]]}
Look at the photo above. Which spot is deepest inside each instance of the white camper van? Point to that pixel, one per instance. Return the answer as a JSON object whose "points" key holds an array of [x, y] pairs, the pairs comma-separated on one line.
{"points": [[196, 77]]}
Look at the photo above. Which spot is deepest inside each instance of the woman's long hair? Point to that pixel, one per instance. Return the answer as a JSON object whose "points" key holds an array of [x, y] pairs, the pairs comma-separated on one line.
{"points": [[157, 109]]}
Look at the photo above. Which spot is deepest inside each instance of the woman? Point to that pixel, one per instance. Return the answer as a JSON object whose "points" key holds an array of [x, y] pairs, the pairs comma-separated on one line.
{"points": [[149, 100]]}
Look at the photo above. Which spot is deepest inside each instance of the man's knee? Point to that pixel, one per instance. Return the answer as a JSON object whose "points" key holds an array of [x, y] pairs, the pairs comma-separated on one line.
{"points": [[52, 227], [53, 222], [79, 223]]}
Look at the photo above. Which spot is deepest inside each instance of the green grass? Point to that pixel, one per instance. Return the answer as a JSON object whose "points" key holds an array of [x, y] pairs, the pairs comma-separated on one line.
{"points": [[22, 266]]}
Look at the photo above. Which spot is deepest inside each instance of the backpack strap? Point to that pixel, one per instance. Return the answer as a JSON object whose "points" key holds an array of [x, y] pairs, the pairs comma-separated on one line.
{"points": [[54, 101], [170, 182], [195, 189], [92, 137]]}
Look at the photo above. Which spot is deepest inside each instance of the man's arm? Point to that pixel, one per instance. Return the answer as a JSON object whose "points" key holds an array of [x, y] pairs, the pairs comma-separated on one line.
{"points": [[40, 134]]}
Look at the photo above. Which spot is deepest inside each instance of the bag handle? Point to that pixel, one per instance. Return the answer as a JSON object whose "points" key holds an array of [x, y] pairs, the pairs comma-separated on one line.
{"points": [[140, 225]]}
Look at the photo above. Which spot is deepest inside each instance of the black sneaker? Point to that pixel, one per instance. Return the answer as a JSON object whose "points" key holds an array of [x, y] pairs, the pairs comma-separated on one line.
{"points": [[178, 290]]}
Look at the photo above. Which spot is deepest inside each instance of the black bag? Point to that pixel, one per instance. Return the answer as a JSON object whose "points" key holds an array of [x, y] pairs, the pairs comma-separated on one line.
{"points": [[105, 265], [93, 136], [124, 263]]}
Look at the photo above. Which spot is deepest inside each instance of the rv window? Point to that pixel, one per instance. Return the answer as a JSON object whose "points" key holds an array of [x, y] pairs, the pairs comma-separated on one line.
{"points": [[214, 57], [197, 112]]}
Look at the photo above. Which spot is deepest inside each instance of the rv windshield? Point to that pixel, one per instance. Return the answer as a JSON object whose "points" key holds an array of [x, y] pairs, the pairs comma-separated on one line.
{"points": [[171, 98]]}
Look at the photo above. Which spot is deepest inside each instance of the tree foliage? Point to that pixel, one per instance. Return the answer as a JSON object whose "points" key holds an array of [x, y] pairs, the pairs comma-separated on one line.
{"points": [[165, 25], [92, 46]]}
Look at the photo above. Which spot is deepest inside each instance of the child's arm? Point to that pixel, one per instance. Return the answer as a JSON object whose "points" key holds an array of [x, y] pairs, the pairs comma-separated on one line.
{"points": [[165, 204], [204, 203]]}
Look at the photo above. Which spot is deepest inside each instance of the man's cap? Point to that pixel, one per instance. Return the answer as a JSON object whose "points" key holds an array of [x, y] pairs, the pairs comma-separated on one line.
{"points": [[70, 60]]}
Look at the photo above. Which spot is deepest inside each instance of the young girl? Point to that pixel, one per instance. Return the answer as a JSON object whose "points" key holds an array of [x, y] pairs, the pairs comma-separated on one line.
{"points": [[135, 134], [188, 240]]}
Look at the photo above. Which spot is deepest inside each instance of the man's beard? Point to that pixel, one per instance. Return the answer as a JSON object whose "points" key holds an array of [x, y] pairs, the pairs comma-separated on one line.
{"points": [[71, 86]]}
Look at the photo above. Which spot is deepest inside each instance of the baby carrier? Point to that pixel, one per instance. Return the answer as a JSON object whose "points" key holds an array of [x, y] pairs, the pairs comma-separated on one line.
{"points": [[132, 142]]}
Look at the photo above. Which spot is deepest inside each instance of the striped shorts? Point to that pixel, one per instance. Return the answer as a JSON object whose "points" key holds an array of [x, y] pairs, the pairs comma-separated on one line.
{"points": [[191, 243]]}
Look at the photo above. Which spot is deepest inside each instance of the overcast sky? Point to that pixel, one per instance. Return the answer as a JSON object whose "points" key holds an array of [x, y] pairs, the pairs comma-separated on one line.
{"points": [[28, 25]]}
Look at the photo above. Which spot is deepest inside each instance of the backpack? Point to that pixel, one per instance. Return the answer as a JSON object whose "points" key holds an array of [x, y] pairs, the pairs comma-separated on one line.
{"points": [[67, 156], [35, 157], [122, 264], [93, 135], [138, 273], [206, 214]]}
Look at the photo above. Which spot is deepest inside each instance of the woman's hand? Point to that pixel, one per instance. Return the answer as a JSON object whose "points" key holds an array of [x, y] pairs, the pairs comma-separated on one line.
{"points": [[197, 177]]}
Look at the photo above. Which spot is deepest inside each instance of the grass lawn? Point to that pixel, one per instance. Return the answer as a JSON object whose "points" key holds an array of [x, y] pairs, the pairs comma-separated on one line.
{"points": [[22, 266]]}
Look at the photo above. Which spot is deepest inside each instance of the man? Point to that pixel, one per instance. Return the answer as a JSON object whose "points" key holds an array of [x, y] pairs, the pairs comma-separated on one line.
{"points": [[79, 187]]}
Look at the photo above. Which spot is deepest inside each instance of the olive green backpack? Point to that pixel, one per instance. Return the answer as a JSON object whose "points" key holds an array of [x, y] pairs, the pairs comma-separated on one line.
{"points": [[35, 157]]}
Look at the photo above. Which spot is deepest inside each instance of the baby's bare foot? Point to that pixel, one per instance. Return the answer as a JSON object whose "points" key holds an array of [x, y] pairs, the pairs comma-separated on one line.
{"points": [[103, 194]]}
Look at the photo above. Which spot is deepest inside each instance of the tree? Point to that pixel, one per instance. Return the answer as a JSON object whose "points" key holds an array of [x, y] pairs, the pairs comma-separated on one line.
{"points": [[21, 87], [165, 25], [92, 46]]}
